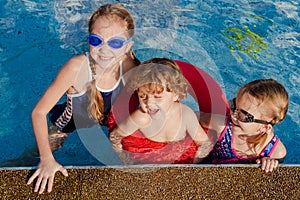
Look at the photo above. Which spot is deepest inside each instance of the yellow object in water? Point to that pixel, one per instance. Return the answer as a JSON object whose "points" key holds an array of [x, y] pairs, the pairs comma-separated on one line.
{"points": [[245, 40]]}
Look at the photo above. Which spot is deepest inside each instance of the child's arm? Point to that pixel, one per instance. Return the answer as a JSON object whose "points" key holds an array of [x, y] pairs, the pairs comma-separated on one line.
{"points": [[125, 128], [197, 134], [118, 134], [48, 166], [116, 137], [135, 121]]}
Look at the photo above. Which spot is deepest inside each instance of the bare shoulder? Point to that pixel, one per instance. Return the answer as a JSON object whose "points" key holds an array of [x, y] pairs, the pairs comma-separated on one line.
{"points": [[75, 63], [68, 74], [187, 111], [211, 121], [279, 151], [140, 118], [189, 117]]}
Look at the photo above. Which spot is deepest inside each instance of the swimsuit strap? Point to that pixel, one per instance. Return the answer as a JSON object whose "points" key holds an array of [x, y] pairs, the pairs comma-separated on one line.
{"points": [[270, 147], [121, 71]]}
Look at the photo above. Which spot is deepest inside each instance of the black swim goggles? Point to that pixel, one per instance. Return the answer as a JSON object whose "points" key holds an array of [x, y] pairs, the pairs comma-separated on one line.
{"points": [[114, 42], [243, 115]]}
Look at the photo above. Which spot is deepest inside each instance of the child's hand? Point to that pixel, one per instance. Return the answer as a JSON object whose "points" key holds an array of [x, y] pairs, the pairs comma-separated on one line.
{"points": [[203, 151], [115, 139], [45, 175], [267, 164]]}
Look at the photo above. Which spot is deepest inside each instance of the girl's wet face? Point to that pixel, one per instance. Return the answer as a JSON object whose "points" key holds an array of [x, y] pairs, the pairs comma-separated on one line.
{"points": [[107, 28], [249, 104]]}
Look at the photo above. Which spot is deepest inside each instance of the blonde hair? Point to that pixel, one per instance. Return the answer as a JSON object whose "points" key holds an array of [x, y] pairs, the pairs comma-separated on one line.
{"points": [[116, 12], [274, 98], [157, 74]]}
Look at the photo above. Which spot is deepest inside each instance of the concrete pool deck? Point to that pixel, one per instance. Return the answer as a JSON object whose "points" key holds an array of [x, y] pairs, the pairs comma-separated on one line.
{"points": [[159, 182]]}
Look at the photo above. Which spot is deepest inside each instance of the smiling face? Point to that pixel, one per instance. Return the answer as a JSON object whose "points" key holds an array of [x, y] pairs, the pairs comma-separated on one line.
{"points": [[108, 27], [251, 105], [156, 100]]}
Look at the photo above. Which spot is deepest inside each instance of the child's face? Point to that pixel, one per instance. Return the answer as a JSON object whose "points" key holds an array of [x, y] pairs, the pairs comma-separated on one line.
{"points": [[249, 104], [156, 104], [108, 28]]}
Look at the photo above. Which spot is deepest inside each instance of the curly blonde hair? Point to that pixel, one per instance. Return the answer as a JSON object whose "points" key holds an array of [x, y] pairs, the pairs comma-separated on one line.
{"points": [[115, 12], [157, 74]]}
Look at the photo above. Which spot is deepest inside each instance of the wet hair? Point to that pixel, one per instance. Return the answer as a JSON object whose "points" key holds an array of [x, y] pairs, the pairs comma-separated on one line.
{"points": [[158, 74], [114, 12], [270, 93], [274, 100]]}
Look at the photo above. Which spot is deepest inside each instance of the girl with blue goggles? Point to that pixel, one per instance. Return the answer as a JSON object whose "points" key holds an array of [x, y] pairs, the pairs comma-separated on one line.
{"points": [[85, 101]]}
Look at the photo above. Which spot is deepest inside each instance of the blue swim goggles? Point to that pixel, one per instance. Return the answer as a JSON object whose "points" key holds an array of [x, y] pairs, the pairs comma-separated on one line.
{"points": [[115, 42]]}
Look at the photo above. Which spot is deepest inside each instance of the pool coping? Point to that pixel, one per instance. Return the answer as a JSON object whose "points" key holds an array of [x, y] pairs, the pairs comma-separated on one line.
{"points": [[151, 166]]}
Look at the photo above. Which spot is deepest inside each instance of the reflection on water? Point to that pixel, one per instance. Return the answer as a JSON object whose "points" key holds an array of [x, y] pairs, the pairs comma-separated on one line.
{"points": [[234, 41]]}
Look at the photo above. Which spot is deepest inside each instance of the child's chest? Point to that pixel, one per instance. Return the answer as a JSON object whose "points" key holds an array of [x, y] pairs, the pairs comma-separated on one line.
{"points": [[167, 131], [245, 149]]}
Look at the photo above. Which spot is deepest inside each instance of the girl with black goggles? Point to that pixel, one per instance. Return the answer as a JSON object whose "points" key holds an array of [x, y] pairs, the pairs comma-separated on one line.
{"points": [[244, 116]]}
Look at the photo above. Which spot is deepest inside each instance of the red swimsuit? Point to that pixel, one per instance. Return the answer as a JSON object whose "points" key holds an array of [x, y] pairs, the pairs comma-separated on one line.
{"points": [[145, 151]]}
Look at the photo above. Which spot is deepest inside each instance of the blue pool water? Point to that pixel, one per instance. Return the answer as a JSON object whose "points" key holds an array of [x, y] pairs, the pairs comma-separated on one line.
{"points": [[234, 41]]}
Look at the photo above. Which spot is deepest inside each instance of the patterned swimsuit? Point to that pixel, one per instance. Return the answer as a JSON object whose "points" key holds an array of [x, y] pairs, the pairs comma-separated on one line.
{"points": [[224, 153]]}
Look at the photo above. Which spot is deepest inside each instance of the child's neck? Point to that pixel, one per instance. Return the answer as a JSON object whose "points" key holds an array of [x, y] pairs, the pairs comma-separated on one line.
{"points": [[107, 78], [244, 146]]}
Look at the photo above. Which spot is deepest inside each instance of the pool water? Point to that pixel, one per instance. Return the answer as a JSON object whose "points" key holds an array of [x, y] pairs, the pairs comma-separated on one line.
{"points": [[234, 41]]}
